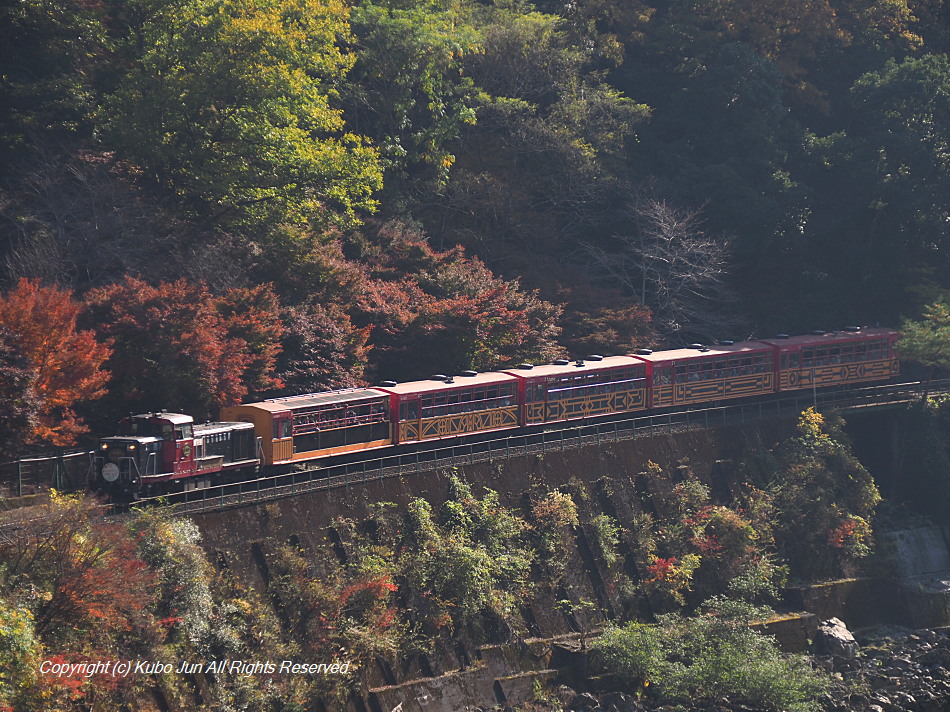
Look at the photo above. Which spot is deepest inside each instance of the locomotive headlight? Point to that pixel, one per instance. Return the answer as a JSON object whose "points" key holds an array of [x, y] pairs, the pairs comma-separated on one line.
{"points": [[132, 446], [104, 446]]}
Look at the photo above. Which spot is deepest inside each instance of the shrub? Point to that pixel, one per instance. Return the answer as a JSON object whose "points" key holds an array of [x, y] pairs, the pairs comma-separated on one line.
{"points": [[702, 659]]}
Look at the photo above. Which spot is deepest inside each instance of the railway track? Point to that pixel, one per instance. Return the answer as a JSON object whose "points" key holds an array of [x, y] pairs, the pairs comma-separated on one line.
{"points": [[334, 473], [349, 470]]}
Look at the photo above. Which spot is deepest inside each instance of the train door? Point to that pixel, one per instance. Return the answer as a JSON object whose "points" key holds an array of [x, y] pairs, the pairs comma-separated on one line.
{"points": [[409, 426], [282, 436], [183, 446]]}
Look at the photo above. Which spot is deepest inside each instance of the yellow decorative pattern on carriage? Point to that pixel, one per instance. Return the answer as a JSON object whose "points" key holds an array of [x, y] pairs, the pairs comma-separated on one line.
{"points": [[662, 396], [722, 388], [587, 406], [408, 430], [460, 424], [818, 376]]}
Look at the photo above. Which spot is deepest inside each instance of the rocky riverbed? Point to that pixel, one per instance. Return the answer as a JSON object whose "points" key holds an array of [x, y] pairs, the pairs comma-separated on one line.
{"points": [[882, 670]]}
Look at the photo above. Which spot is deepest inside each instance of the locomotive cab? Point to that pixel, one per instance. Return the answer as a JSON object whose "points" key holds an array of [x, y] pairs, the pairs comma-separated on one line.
{"points": [[122, 462], [149, 448]]}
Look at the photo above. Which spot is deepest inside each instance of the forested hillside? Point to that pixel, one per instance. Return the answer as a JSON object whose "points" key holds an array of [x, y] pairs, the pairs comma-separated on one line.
{"points": [[205, 201]]}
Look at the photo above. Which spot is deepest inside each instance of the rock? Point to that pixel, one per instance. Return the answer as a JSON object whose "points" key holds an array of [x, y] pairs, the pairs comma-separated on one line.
{"points": [[907, 702], [619, 702], [834, 638], [584, 701], [564, 694]]}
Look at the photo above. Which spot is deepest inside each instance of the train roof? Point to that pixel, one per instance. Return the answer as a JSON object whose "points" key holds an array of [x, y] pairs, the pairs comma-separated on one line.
{"points": [[141, 439], [714, 350], [831, 337], [552, 369], [311, 400], [174, 418], [433, 384], [202, 429]]}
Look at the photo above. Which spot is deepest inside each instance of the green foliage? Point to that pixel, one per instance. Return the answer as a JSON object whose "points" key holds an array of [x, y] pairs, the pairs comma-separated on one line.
{"points": [[407, 91], [606, 538], [717, 654], [231, 105], [553, 518], [471, 563], [822, 536], [19, 653], [927, 341], [172, 548], [48, 70]]}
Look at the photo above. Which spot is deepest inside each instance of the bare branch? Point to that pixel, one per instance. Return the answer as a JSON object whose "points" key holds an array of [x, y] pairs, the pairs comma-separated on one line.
{"points": [[674, 267]]}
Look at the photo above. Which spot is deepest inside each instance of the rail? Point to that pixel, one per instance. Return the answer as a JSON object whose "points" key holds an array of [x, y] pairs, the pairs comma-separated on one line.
{"points": [[504, 446], [69, 471], [30, 475]]}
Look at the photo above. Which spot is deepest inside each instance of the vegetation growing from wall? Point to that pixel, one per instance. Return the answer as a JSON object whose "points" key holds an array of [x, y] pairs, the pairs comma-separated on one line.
{"points": [[708, 657], [675, 577]]}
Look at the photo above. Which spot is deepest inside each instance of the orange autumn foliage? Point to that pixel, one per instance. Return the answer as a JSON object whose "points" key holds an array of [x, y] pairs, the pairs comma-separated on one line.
{"points": [[66, 362]]}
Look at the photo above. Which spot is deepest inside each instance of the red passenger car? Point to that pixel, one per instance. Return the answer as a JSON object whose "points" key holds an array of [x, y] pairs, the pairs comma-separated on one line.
{"points": [[446, 406], [821, 359], [584, 388], [710, 373]]}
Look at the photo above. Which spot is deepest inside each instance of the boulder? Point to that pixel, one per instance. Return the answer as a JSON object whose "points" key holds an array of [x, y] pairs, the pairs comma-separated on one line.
{"points": [[834, 638]]}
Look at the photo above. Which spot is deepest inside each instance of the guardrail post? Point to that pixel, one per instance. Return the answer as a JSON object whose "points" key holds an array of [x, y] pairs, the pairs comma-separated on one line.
{"points": [[19, 477]]}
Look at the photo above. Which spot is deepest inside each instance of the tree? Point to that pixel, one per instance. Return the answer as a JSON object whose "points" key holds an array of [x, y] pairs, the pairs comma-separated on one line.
{"points": [[408, 90], [51, 54], [706, 658], [20, 404], [824, 536], [900, 112], [545, 158], [81, 219], [66, 363], [177, 346], [880, 192], [449, 312], [673, 267], [927, 341], [323, 350], [231, 106]]}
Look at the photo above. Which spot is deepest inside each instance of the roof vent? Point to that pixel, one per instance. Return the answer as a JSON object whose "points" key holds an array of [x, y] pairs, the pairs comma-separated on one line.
{"points": [[644, 352], [727, 342], [699, 347], [595, 357], [852, 329], [704, 349], [579, 362], [525, 366], [449, 379], [781, 336], [388, 384], [439, 377], [819, 332], [469, 374], [561, 362]]}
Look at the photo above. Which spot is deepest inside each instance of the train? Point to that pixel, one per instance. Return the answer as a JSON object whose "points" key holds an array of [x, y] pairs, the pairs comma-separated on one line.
{"points": [[157, 452]]}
